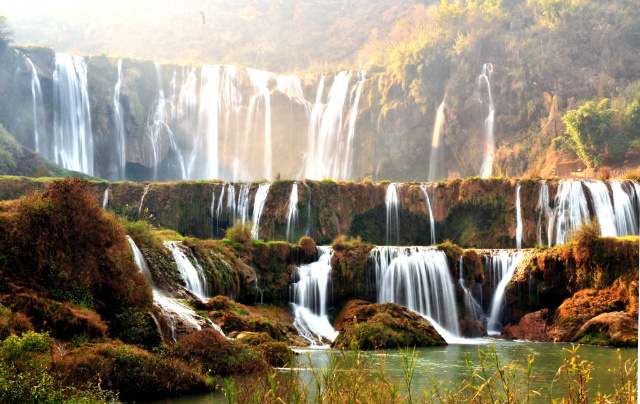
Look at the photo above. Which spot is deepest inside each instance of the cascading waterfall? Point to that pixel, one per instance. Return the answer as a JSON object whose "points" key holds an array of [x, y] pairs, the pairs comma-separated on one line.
{"points": [[208, 119], [543, 209], [392, 204], [485, 80], [469, 300], [292, 214], [310, 299], [518, 218], [213, 208], [38, 105], [140, 261], [73, 141], [219, 209], [499, 268], [258, 206], [614, 210], [192, 275], [419, 279], [144, 193], [436, 153], [105, 199], [329, 144], [118, 121], [423, 188], [242, 208]]}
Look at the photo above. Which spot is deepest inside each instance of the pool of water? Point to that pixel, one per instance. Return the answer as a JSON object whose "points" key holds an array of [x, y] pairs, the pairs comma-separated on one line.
{"points": [[449, 363]]}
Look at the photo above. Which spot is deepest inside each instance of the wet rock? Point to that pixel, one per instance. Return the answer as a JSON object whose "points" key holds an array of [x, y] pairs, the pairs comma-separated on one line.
{"points": [[470, 328]]}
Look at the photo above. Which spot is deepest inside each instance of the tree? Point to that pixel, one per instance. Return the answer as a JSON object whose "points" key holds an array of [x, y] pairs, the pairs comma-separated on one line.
{"points": [[588, 130]]}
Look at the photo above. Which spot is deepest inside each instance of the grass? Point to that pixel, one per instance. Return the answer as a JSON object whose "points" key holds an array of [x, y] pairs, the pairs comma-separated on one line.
{"points": [[351, 377]]}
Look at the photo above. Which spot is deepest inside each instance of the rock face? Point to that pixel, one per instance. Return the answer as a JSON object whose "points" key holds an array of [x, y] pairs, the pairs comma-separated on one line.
{"points": [[533, 327], [616, 328], [381, 326]]}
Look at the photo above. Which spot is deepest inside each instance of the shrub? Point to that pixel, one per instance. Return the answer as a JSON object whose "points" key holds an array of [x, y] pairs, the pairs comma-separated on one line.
{"points": [[308, 245], [240, 232], [214, 354], [63, 240], [339, 243]]}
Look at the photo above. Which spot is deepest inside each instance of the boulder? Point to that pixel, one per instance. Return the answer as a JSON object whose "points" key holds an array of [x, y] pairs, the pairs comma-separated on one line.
{"points": [[381, 326], [616, 329]]}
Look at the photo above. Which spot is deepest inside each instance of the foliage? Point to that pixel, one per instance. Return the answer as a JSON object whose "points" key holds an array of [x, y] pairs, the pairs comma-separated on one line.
{"points": [[308, 245], [214, 354], [64, 241], [24, 377], [240, 232], [10, 149], [588, 128]]}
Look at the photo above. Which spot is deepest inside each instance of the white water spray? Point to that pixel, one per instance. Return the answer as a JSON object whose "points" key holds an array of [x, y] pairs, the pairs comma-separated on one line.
{"points": [[485, 80], [292, 214], [392, 204], [258, 206], [436, 153]]}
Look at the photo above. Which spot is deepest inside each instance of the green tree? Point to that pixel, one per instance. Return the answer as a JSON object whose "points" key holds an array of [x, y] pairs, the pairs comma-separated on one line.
{"points": [[588, 129]]}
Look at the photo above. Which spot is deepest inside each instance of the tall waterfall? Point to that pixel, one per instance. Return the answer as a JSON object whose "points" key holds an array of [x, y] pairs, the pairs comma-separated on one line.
{"points": [[423, 188], [436, 158], [260, 82], [258, 206], [242, 206], [72, 141], [418, 278], [392, 204], [499, 268], [518, 217], [332, 129], [310, 295], [469, 300], [118, 123], [192, 275], [485, 80], [292, 214], [38, 106]]}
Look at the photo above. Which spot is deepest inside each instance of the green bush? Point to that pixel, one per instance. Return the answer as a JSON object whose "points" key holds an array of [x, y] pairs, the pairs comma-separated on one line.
{"points": [[240, 232]]}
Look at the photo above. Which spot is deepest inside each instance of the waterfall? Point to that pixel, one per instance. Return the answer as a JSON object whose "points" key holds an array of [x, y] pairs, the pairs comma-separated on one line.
{"points": [[423, 188], [73, 141], [570, 209], [105, 199], [499, 268], [543, 209], [485, 78], [292, 214], [260, 81], [310, 294], [518, 218], [140, 261], [258, 206], [435, 158], [38, 105], [602, 206], [158, 127], [118, 118], [626, 219], [213, 208], [219, 208], [392, 204], [419, 279], [330, 138], [144, 193], [469, 300], [242, 207], [192, 275], [614, 210]]}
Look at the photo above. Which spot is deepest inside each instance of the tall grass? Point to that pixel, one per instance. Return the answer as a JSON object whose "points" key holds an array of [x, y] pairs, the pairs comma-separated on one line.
{"points": [[352, 377]]}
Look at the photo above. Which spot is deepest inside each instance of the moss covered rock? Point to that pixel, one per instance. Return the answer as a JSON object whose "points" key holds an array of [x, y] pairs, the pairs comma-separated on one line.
{"points": [[615, 328], [381, 326]]}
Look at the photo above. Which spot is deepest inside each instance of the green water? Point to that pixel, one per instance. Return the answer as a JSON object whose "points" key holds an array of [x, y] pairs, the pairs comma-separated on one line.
{"points": [[448, 363]]}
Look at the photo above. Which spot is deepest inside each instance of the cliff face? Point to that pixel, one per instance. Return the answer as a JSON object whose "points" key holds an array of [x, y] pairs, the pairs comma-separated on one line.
{"points": [[471, 213]]}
